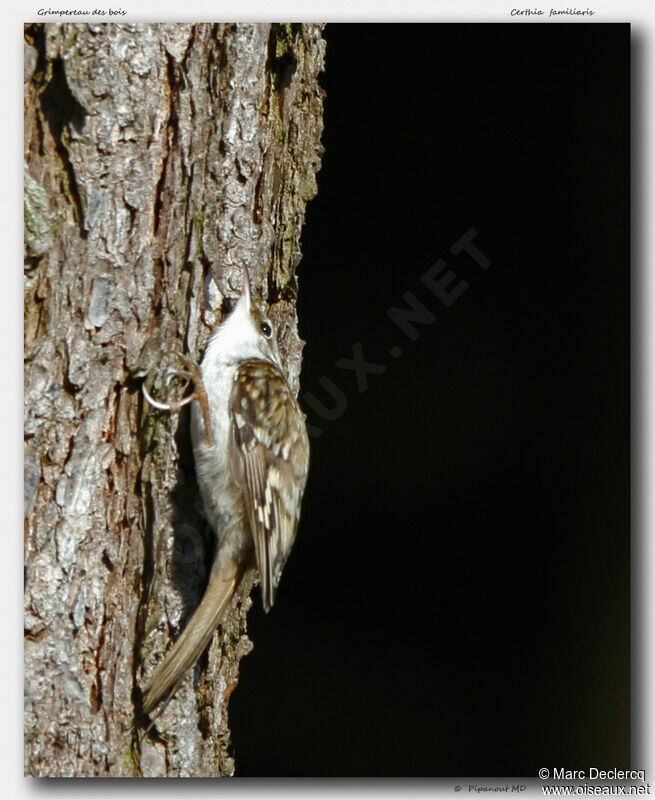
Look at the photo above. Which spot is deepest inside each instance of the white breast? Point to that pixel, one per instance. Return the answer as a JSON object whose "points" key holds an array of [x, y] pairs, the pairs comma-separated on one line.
{"points": [[212, 458]]}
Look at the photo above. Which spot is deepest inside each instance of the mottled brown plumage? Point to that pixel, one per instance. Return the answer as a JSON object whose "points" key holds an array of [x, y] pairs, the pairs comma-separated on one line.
{"points": [[271, 462]]}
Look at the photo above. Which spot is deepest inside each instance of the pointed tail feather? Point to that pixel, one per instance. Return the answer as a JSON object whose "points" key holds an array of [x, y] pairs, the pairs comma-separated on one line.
{"points": [[195, 637]]}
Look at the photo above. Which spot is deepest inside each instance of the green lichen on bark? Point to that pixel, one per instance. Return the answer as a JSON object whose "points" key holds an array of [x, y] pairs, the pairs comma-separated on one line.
{"points": [[38, 225]]}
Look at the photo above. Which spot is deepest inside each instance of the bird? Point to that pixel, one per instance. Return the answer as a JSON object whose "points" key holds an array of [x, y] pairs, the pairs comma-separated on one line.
{"points": [[251, 455]]}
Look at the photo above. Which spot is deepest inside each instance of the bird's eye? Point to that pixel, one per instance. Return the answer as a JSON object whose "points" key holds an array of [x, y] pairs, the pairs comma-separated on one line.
{"points": [[265, 329]]}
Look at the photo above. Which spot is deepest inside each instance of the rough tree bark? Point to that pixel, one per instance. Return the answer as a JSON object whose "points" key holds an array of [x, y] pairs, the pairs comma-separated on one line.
{"points": [[154, 156]]}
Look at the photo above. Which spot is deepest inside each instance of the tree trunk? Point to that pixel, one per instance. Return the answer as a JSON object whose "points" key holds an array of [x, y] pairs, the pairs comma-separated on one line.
{"points": [[156, 156]]}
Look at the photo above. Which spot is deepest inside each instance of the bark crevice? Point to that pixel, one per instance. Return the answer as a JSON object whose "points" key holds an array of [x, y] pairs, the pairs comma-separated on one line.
{"points": [[156, 156]]}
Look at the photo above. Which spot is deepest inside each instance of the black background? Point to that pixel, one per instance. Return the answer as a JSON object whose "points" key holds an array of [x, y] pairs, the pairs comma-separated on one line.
{"points": [[458, 598]]}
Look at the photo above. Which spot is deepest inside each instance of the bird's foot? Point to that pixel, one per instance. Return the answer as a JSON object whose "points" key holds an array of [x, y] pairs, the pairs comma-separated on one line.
{"points": [[191, 374]]}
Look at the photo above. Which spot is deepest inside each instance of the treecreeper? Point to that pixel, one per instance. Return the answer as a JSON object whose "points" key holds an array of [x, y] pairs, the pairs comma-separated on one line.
{"points": [[251, 454]]}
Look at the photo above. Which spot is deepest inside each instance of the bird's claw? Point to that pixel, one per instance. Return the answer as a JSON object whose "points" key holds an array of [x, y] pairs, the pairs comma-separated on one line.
{"points": [[192, 373]]}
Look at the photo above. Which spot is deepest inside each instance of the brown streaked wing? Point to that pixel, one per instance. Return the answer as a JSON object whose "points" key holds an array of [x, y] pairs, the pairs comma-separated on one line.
{"points": [[272, 454]]}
